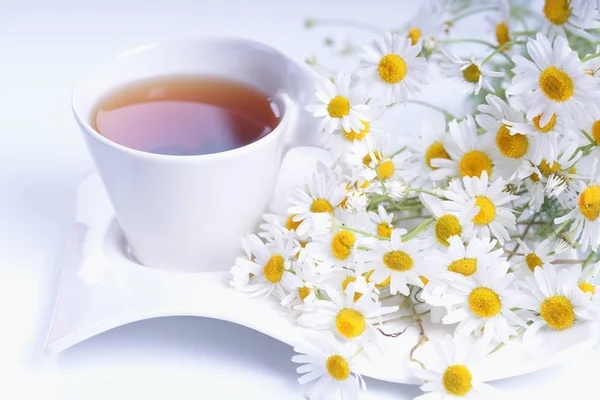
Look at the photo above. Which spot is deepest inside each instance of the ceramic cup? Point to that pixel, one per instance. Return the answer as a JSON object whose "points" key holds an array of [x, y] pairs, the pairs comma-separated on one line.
{"points": [[188, 212]]}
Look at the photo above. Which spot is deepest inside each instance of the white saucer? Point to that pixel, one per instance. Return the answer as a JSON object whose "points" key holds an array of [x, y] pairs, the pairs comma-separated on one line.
{"points": [[102, 287]]}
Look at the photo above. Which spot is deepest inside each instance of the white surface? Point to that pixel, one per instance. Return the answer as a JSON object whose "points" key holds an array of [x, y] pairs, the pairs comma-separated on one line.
{"points": [[44, 46], [188, 213], [102, 287]]}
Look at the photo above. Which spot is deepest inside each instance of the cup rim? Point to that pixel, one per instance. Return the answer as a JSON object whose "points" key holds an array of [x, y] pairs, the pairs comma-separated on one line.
{"points": [[285, 106]]}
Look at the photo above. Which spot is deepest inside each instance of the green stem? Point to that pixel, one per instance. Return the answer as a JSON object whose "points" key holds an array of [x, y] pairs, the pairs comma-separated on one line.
{"points": [[590, 57], [397, 152], [427, 192], [471, 12], [501, 48], [523, 33], [433, 107], [587, 135], [585, 264], [417, 229]]}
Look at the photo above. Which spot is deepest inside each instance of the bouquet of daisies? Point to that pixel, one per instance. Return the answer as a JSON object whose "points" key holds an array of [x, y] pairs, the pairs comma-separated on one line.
{"points": [[488, 223]]}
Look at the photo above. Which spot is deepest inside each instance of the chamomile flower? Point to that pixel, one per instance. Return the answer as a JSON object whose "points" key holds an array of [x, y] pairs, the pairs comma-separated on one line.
{"points": [[427, 22], [470, 76], [556, 78], [482, 303], [454, 371], [501, 23], [339, 106], [470, 154], [383, 221], [512, 148], [400, 261], [540, 256], [555, 299], [348, 281], [269, 265], [561, 17], [586, 214], [543, 139], [349, 320], [321, 194], [391, 68], [557, 176], [303, 290], [492, 216], [424, 148], [330, 363], [448, 224]]}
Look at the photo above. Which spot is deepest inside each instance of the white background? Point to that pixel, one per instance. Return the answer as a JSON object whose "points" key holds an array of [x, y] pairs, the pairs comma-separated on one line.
{"points": [[44, 46]]}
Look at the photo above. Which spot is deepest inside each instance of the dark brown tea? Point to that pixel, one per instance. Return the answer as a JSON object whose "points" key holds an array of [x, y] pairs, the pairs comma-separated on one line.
{"points": [[185, 115]]}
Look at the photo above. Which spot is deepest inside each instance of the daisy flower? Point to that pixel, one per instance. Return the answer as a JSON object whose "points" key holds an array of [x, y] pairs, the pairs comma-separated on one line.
{"points": [[470, 154], [322, 194], [401, 261], [339, 106], [454, 371], [305, 286], [501, 23], [555, 299], [391, 68], [348, 281], [268, 265], [543, 139], [382, 221], [540, 256], [427, 22], [482, 303], [470, 76], [424, 148], [586, 214], [330, 363], [491, 217], [560, 16], [448, 224], [556, 76], [512, 149], [348, 319], [557, 176]]}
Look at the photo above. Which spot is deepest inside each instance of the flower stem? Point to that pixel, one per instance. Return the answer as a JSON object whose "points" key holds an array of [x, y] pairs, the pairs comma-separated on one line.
{"points": [[501, 48], [590, 57], [417, 229], [587, 135], [427, 192], [523, 33]]}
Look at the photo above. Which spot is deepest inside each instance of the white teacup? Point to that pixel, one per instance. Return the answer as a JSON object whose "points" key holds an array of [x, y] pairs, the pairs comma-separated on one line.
{"points": [[187, 212]]}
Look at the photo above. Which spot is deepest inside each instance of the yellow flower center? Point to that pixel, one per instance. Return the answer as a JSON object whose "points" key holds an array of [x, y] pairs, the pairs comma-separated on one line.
{"points": [[533, 261], [556, 84], [596, 132], [487, 211], [473, 163], [273, 269], [392, 68], [484, 302], [424, 280], [341, 244], [353, 135], [502, 34], [587, 287], [345, 284], [338, 367], [350, 323], [338, 107], [464, 266], [445, 227], [511, 146], [589, 203], [385, 169], [320, 206], [546, 128], [290, 224], [472, 73], [557, 11], [414, 34], [457, 380], [558, 312], [436, 150], [546, 169], [384, 230], [303, 292], [398, 260]]}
